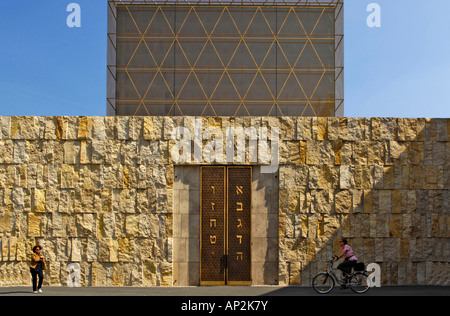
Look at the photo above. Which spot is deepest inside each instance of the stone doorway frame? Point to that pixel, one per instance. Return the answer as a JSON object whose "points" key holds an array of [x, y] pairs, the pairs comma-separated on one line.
{"points": [[186, 227]]}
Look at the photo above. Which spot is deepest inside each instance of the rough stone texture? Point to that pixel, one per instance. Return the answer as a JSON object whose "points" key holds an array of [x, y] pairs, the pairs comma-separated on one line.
{"points": [[382, 183], [99, 192]]}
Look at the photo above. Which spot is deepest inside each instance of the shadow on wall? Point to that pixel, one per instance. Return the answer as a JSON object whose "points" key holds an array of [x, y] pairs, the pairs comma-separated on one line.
{"points": [[382, 183]]}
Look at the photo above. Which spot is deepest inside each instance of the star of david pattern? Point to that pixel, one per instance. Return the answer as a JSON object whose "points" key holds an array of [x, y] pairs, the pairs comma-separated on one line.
{"points": [[222, 59]]}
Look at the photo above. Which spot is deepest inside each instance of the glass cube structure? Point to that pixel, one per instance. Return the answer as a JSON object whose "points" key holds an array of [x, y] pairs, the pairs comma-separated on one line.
{"points": [[225, 58]]}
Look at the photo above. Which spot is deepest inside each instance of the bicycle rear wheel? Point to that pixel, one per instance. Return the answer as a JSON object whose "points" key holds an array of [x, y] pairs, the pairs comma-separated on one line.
{"points": [[359, 283], [323, 283]]}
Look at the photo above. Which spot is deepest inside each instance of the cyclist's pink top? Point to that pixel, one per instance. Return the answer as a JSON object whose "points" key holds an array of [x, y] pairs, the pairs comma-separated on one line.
{"points": [[349, 254]]}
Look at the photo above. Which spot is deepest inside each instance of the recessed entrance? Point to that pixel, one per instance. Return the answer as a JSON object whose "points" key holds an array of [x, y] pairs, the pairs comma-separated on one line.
{"points": [[190, 238], [225, 225]]}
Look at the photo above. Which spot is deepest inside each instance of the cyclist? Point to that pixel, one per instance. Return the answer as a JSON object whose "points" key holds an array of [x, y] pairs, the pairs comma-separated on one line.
{"points": [[350, 259]]}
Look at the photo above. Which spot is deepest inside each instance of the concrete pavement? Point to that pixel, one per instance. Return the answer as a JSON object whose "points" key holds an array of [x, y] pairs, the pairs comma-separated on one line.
{"points": [[227, 291]]}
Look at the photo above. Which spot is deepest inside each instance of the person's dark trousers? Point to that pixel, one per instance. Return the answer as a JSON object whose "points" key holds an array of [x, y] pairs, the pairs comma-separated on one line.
{"points": [[347, 266], [34, 275]]}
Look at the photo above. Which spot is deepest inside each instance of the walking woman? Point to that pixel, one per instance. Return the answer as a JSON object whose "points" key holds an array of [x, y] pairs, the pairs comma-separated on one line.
{"points": [[37, 266]]}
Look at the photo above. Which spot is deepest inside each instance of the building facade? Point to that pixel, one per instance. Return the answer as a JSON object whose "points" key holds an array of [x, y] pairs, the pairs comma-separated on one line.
{"points": [[111, 207]]}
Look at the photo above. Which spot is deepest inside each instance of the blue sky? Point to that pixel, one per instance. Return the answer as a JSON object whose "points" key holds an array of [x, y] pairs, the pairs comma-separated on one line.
{"points": [[401, 69]]}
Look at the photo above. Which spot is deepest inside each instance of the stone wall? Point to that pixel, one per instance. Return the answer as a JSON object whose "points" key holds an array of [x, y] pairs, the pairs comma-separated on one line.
{"points": [[382, 183], [99, 192]]}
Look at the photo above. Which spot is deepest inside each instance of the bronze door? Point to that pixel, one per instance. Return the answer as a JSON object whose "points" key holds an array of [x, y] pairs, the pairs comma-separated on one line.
{"points": [[225, 253]]}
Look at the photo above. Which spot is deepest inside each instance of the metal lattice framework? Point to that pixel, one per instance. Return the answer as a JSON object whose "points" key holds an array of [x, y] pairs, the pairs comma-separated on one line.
{"points": [[225, 58]]}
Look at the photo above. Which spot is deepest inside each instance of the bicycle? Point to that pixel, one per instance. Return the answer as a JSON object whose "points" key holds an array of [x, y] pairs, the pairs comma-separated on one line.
{"points": [[357, 281]]}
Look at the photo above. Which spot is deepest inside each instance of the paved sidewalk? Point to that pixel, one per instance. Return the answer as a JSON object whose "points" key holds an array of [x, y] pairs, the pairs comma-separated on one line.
{"points": [[230, 291]]}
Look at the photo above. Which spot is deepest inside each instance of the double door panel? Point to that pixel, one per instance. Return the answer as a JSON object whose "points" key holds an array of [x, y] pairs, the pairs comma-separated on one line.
{"points": [[225, 225]]}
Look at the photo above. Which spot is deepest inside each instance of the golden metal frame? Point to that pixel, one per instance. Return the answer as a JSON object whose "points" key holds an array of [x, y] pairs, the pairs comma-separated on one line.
{"points": [[141, 37]]}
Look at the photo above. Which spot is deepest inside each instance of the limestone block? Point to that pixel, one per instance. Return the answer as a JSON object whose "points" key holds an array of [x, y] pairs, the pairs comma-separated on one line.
{"points": [[448, 130], [18, 199], [319, 153], [385, 201], [439, 153], [92, 250], [383, 128], [283, 153], [343, 202], [24, 127], [407, 129], [21, 250], [295, 155], [441, 130], [69, 175], [319, 127], [59, 223], [149, 269], [132, 225], [72, 152], [388, 177], [53, 127], [122, 127], [323, 201], [334, 131], [165, 277], [357, 129], [107, 224], [287, 128], [6, 151], [98, 151], [38, 201], [76, 249], [34, 225], [304, 131], [108, 250], [98, 128], [7, 220], [338, 152], [164, 153], [171, 123], [396, 225], [87, 223], [5, 127], [125, 251], [399, 152], [135, 127], [124, 201], [21, 152], [331, 226], [346, 179], [147, 128], [358, 198], [82, 131], [323, 177], [376, 153], [360, 152], [110, 127], [382, 225]]}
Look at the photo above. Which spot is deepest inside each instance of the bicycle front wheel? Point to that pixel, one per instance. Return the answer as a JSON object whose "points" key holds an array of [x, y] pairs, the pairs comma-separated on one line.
{"points": [[359, 283], [323, 283]]}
